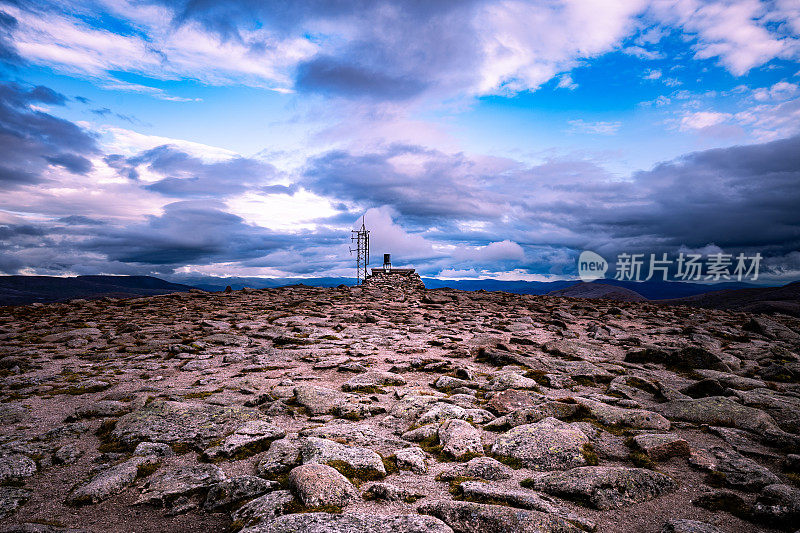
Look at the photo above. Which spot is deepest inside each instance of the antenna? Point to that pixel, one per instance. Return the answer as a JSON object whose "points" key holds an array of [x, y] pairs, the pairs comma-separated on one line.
{"points": [[361, 238]]}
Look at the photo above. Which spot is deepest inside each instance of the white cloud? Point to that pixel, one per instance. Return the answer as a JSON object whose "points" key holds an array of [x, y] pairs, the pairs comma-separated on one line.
{"points": [[68, 44], [565, 81], [652, 74], [596, 128], [780, 91], [702, 119]]}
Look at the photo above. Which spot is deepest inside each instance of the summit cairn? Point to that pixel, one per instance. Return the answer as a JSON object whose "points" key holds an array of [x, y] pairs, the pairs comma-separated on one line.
{"points": [[390, 278]]}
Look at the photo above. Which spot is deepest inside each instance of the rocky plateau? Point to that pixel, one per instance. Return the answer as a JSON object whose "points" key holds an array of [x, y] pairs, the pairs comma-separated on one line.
{"points": [[396, 409]]}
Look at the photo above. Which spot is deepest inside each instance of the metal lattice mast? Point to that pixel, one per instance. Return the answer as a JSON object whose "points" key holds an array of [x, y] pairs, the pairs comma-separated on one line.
{"points": [[361, 238]]}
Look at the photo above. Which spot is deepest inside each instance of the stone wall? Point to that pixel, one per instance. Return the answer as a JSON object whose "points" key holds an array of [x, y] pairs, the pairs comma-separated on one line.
{"points": [[405, 282]]}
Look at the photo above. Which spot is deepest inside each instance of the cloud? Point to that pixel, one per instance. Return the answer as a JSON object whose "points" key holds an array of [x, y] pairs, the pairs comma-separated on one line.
{"points": [[415, 181], [701, 120], [597, 128], [173, 172], [32, 140]]}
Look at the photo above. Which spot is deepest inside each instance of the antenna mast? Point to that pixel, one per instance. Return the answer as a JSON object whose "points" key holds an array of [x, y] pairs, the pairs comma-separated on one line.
{"points": [[361, 238]]}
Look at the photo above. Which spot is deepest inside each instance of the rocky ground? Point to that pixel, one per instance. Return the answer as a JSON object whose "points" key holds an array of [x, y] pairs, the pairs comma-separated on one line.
{"points": [[373, 409]]}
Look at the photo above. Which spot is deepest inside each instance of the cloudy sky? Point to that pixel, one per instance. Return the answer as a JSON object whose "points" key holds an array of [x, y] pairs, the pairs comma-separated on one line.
{"points": [[481, 138]]}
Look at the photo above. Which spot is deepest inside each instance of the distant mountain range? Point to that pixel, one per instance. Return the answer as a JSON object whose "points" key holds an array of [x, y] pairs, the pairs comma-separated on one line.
{"points": [[599, 290], [16, 290]]}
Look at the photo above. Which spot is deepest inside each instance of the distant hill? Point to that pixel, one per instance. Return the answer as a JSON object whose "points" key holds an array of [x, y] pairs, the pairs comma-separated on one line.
{"points": [[17, 290], [785, 299], [652, 290], [599, 291]]}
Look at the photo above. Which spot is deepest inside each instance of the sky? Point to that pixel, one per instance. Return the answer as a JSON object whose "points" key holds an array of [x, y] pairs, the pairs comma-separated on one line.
{"points": [[478, 138]]}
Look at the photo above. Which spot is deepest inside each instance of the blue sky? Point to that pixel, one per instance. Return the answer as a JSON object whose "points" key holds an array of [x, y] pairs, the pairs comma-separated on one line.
{"points": [[481, 138]]}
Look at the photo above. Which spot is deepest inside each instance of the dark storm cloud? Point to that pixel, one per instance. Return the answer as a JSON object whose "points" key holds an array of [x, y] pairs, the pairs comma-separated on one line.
{"points": [[394, 52], [446, 186], [31, 140], [186, 176], [742, 197]]}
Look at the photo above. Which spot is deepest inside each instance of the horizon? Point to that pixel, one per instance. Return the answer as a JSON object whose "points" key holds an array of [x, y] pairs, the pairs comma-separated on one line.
{"points": [[481, 140]]}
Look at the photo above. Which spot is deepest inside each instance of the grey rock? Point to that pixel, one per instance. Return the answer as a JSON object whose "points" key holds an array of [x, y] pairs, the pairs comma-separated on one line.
{"points": [[479, 467], [371, 380], [282, 455], [778, 505], [230, 492], [504, 380], [249, 439], [110, 481], [618, 416], [157, 449], [549, 444], [385, 492], [67, 454], [678, 525], [318, 485], [101, 408], [460, 439], [195, 424], [165, 488], [15, 467], [350, 523], [320, 400], [11, 499], [467, 517], [605, 487], [357, 462], [264, 508], [344, 431], [735, 470], [411, 458], [532, 415], [524, 499], [660, 446], [720, 411]]}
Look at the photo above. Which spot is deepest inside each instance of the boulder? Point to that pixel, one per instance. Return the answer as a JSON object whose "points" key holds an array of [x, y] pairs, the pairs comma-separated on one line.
{"points": [[233, 491], [187, 423], [479, 467], [249, 439], [352, 461], [470, 517], [110, 481], [372, 381], [661, 446], [264, 508], [605, 487], [460, 439], [618, 416], [165, 488], [546, 445], [318, 485]]}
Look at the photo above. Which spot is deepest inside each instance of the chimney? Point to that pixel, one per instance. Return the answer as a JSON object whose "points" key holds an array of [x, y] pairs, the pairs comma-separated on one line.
{"points": [[387, 262]]}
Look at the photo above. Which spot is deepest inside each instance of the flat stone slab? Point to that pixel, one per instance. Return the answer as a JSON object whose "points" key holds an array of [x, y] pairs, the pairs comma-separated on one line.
{"points": [[189, 423], [619, 416], [478, 517], [249, 439], [351, 523], [605, 487], [110, 481]]}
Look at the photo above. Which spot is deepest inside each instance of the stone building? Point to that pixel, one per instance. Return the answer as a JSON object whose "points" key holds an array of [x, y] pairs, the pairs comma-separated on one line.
{"points": [[388, 277]]}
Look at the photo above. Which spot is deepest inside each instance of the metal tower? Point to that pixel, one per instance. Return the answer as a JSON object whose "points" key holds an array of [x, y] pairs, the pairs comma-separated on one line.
{"points": [[361, 238]]}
